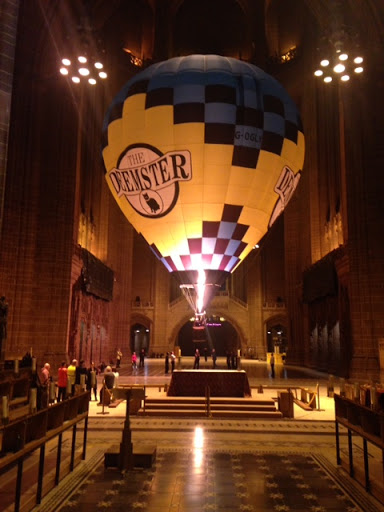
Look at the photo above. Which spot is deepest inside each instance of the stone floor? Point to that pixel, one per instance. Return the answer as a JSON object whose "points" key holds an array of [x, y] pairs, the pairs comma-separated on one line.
{"points": [[219, 465]]}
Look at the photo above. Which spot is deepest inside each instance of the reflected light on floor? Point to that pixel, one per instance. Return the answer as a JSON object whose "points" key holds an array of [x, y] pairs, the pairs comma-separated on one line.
{"points": [[198, 446]]}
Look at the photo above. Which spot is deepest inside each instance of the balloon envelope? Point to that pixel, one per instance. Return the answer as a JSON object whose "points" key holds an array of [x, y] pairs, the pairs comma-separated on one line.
{"points": [[202, 153]]}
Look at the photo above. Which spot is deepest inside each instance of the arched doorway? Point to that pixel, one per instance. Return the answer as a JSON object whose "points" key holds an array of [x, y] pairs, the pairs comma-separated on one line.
{"points": [[218, 334], [276, 336], [140, 338]]}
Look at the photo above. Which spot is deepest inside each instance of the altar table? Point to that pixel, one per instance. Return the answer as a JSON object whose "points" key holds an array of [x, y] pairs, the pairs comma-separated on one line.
{"points": [[224, 383]]}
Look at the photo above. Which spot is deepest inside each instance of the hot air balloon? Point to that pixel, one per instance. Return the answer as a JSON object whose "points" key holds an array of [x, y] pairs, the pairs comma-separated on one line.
{"points": [[202, 153]]}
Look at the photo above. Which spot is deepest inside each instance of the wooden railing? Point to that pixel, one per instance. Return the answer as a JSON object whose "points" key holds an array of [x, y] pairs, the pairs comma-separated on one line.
{"points": [[20, 438]]}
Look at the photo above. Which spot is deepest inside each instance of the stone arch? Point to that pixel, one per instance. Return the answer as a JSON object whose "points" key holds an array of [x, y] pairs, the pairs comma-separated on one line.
{"points": [[243, 341], [138, 318], [240, 331]]}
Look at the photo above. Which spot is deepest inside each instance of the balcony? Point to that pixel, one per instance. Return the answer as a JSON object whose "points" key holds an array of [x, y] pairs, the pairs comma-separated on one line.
{"points": [[141, 304], [274, 305]]}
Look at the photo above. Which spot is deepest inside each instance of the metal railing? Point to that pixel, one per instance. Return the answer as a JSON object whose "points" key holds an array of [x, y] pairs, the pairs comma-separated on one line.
{"points": [[20, 438], [368, 424]]}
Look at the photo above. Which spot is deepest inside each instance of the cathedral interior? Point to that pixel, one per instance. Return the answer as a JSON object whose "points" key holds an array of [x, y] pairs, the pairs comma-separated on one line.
{"points": [[79, 281]]}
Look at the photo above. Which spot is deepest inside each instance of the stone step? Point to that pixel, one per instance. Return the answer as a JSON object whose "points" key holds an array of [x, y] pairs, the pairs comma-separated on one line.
{"points": [[170, 406], [214, 400], [219, 407], [217, 413], [243, 407], [174, 412], [214, 406], [247, 414]]}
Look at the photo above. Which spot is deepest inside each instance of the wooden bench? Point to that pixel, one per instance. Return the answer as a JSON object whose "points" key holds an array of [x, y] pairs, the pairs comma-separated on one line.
{"points": [[17, 391], [307, 400]]}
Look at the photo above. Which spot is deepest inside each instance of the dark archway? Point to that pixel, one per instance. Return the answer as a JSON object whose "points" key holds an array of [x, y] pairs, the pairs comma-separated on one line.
{"points": [[218, 334], [140, 338], [276, 337]]}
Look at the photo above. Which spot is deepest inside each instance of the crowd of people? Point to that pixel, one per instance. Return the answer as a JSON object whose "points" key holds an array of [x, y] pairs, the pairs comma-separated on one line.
{"points": [[232, 359], [170, 358], [73, 378]]}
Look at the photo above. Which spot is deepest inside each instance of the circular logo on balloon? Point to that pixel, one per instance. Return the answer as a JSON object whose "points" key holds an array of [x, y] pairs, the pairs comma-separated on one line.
{"points": [[149, 179], [151, 202]]}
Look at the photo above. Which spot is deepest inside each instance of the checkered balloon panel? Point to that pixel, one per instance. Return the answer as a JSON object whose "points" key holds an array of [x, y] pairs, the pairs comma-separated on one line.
{"points": [[202, 154]]}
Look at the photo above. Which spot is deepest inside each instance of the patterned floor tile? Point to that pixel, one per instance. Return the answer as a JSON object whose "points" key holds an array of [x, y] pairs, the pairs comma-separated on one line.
{"points": [[294, 482]]}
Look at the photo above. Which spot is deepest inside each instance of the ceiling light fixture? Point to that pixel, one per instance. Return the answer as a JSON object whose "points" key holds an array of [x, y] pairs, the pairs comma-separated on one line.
{"points": [[339, 55], [89, 71]]}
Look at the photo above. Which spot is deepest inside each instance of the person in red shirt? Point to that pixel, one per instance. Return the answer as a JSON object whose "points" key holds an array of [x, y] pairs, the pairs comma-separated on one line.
{"points": [[62, 381]]}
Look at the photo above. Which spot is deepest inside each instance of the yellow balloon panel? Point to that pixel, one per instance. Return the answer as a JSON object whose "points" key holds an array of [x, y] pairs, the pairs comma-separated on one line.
{"points": [[192, 211], [193, 133], [216, 174], [236, 195], [241, 178], [212, 211], [291, 155], [192, 195], [132, 104], [215, 193], [218, 155], [252, 218], [193, 229]]}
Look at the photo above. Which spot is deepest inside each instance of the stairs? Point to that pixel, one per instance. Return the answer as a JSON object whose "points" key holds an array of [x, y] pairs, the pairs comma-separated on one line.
{"points": [[219, 408]]}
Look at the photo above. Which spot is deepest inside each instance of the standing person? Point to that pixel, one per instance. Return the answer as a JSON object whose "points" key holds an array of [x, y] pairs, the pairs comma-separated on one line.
{"points": [[214, 357], [142, 356], [119, 356], [80, 371], [108, 384], [233, 361], [71, 372], [205, 354], [166, 368], [46, 375], [134, 360], [62, 381], [3, 320], [196, 364], [173, 360], [92, 380], [272, 363], [228, 360], [44, 385]]}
